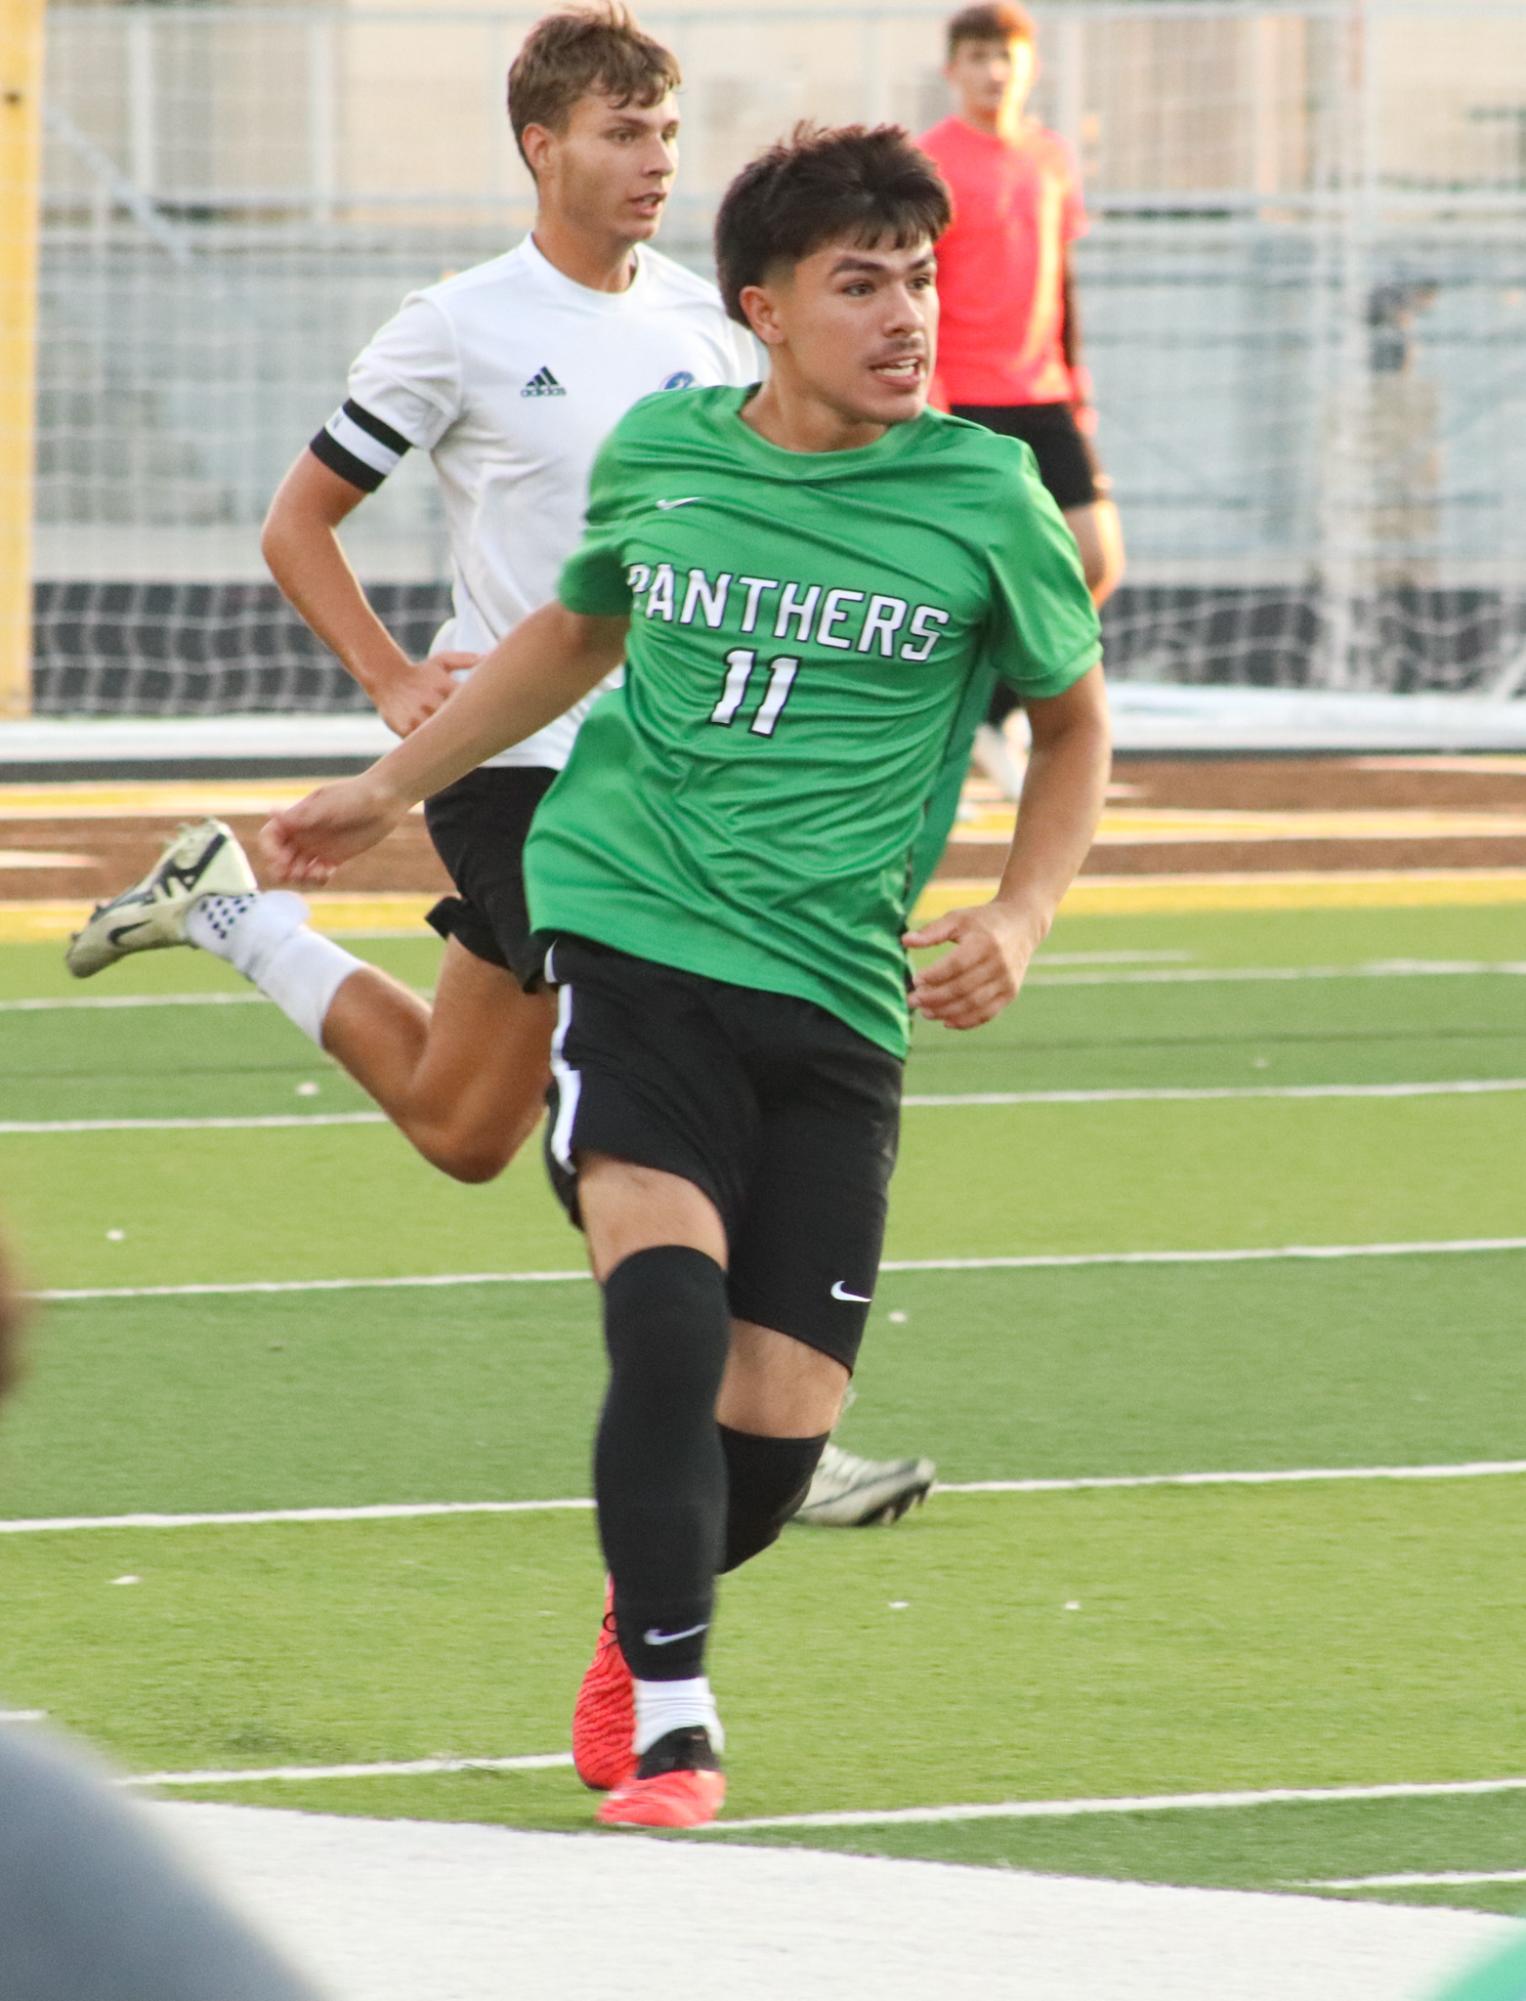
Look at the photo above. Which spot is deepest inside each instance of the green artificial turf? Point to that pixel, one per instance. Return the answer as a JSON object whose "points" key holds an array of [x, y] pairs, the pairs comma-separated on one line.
{"points": [[1320, 1634]]}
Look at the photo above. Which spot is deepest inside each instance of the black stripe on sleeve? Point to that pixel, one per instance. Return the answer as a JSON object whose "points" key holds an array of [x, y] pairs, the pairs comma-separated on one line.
{"points": [[383, 433], [337, 459]]}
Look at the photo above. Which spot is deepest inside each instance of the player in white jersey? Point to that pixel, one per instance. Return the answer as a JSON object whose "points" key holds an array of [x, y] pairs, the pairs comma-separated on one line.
{"points": [[510, 376]]}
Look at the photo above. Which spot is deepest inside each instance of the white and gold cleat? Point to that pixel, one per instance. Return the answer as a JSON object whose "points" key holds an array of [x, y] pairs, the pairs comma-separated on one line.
{"points": [[847, 1492], [203, 860]]}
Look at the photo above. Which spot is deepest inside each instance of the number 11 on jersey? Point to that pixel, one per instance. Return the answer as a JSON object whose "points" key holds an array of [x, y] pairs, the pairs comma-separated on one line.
{"points": [[740, 662]]}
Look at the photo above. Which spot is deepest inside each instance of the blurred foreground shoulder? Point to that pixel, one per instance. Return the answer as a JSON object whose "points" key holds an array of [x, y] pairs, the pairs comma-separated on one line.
{"points": [[95, 1905]]}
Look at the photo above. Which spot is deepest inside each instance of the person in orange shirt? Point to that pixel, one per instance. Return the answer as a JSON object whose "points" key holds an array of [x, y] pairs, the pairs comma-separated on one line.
{"points": [[1009, 347]]}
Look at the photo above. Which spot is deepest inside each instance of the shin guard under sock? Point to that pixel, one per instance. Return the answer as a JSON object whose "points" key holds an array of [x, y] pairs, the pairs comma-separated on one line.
{"points": [[659, 1473], [766, 1480]]}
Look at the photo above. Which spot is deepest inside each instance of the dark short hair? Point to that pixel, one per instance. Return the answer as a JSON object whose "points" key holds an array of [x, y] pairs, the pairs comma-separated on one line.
{"points": [[998, 21], [596, 48], [853, 183]]}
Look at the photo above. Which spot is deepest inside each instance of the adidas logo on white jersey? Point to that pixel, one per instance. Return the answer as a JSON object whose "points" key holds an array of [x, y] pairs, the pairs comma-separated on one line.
{"points": [[543, 383]]}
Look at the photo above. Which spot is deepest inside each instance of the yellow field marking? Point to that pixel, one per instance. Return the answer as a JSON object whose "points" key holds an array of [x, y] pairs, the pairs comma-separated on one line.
{"points": [[186, 798], [1156, 895], [1143, 825], [1093, 896], [991, 821], [29, 923]]}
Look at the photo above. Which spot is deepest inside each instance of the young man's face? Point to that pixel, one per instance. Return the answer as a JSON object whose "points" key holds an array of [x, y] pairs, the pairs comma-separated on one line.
{"points": [[855, 328], [991, 79], [609, 171]]}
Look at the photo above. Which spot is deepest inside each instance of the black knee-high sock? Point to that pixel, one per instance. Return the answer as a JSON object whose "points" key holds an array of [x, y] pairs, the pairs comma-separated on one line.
{"points": [[766, 1480], [659, 1474]]}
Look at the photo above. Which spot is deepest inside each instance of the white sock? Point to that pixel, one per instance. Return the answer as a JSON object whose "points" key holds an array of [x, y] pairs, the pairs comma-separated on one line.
{"points": [[662, 1706], [265, 936]]}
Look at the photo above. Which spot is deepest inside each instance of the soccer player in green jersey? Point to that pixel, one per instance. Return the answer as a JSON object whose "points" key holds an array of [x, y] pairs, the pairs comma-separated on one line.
{"points": [[510, 375], [810, 584]]}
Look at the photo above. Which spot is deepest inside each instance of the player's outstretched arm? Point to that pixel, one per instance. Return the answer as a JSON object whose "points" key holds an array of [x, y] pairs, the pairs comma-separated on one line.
{"points": [[1062, 800], [527, 681], [301, 546]]}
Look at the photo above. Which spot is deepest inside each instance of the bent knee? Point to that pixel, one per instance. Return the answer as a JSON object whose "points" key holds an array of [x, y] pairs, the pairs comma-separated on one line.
{"points": [[471, 1164], [468, 1156]]}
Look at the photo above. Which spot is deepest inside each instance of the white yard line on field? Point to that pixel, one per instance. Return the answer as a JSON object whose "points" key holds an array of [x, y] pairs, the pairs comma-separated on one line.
{"points": [[1070, 1261], [1439, 1880], [376, 1511], [1462, 1087], [1114, 959], [1457, 1087], [1037, 1261], [214, 1289], [259, 1122], [1064, 1809], [86, 1003], [1470, 1469], [398, 1511], [1126, 971], [410, 1768], [1372, 969], [255, 1122]]}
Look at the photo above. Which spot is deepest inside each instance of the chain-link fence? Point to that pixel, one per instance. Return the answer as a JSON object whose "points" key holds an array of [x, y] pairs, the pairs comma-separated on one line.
{"points": [[1304, 302]]}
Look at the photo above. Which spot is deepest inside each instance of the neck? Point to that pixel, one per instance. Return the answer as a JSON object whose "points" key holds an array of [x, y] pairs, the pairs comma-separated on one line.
{"points": [[1005, 123], [602, 263], [791, 417]]}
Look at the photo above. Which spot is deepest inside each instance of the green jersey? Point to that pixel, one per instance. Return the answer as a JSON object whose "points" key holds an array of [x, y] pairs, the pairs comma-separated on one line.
{"points": [[805, 630]]}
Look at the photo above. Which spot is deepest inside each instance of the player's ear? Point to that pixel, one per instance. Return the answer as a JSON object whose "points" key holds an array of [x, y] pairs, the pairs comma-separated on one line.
{"points": [[537, 141], [762, 314]]}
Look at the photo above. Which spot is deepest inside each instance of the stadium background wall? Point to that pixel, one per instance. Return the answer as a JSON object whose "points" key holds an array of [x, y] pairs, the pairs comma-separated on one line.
{"points": [[1304, 305]]}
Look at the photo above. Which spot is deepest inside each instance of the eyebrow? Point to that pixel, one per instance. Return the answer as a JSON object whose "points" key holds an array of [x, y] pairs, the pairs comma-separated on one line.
{"points": [[874, 265]]}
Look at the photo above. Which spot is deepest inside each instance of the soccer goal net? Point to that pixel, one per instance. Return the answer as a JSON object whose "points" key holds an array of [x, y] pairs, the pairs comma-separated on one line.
{"points": [[1303, 299]]}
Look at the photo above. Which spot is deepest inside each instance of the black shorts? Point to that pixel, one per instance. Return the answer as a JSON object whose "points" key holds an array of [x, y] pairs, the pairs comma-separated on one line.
{"points": [[782, 1114], [479, 827], [1067, 464]]}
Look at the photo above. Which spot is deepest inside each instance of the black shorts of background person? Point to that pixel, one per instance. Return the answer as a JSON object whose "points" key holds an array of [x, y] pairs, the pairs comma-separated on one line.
{"points": [[1067, 466]]}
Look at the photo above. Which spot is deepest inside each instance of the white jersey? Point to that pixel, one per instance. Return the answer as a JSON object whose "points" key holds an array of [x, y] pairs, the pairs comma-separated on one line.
{"points": [[511, 376]]}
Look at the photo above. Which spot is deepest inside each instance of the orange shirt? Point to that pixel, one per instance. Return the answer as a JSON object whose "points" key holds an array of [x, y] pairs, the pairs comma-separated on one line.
{"points": [[1001, 263]]}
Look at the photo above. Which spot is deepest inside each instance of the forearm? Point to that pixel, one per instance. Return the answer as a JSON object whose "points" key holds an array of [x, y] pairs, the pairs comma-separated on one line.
{"points": [[527, 681], [1070, 322], [1070, 347], [306, 559], [1062, 800]]}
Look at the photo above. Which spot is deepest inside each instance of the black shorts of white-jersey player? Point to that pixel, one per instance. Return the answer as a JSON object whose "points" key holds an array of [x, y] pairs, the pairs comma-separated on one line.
{"points": [[668, 1080], [509, 375]]}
